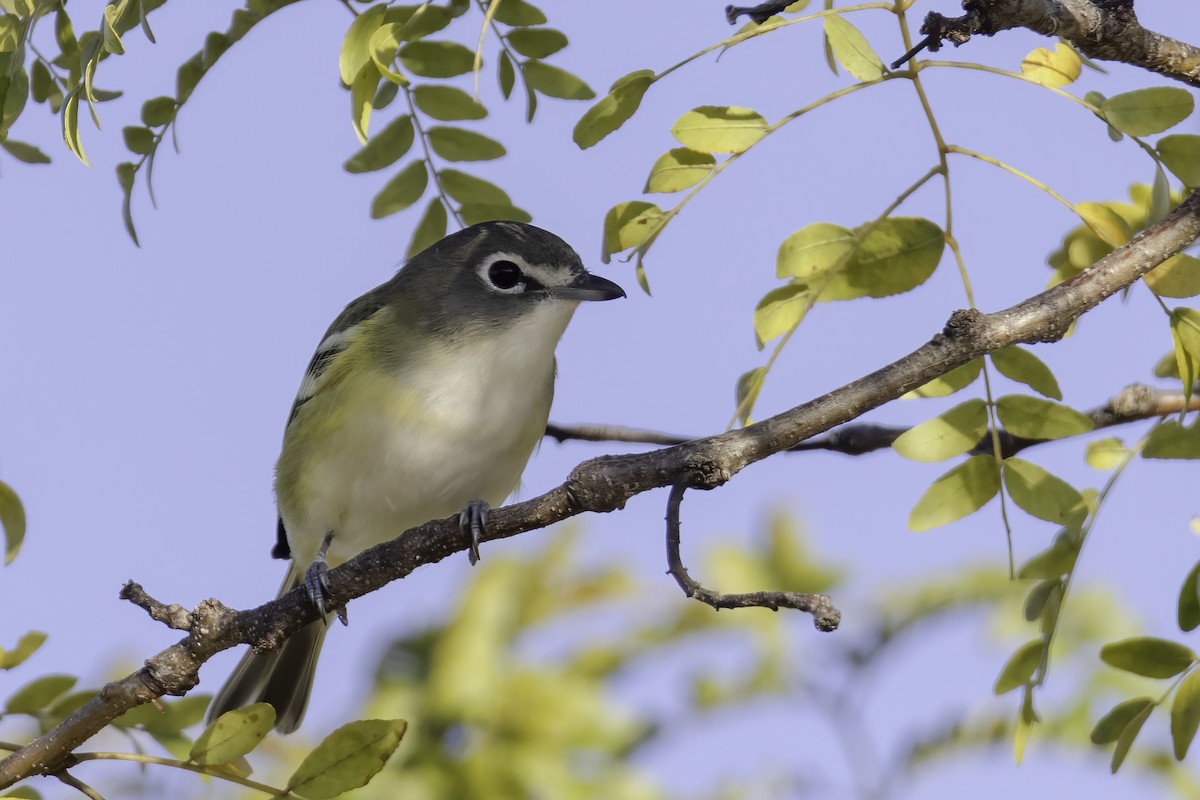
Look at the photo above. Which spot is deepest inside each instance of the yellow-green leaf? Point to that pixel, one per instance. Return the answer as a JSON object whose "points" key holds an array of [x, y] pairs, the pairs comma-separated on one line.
{"points": [[1188, 610], [745, 393], [1185, 331], [37, 694], [1020, 667], [233, 734], [1037, 492], [953, 381], [437, 59], [384, 148], [814, 250], [24, 152], [1185, 714], [347, 759], [898, 255], [1105, 223], [401, 191], [961, 491], [1181, 153], [1128, 734], [614, 108], [1018, 364], [1035, 418], [946, 435], [362, 93], [384, 44], [629, 225], [70, 124], [457, 144], [1057, 68], [112, 39], [430, 229], [448, 104], [519, 12], [468, 189], [1149, 656], [158, 111], [356, 44], [852, 50], [1171, 440], [719, 129], [1105, 453], [1178, 276], [1109, 727], [779, 311], [554, 82], [12, 519], [1147, 111], [26, 646], [1052, 563], [537, 42], [679, 168]]}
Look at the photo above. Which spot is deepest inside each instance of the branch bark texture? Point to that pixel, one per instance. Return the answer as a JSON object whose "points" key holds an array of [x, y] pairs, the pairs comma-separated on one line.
{"points": [[606, 484]]}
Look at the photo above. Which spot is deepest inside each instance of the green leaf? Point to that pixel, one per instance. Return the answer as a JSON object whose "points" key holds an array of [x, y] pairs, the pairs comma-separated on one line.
{"points": [[1106, 223], [719, 129], [1172, 440], [614, 108], [518, 12], [188, 76], [158, 111], [23, 793], [629, 225], [1125, 740], [384, 44], [852, 50], [418, 21], [468, 189], [70, 124], [1148, 656], [1105, 453], [112, 40], [356, 45], [384, 148], [1189, 601], [138, 139], [1020, 668], [26, 646], [537, 42], [953, 381], [1147, 111], [457, 144], [746, 391], [362, 96], [1109, 728], [430, 229], [1040, 494], [814, 250], [473, 213], [1181, 153], [12, 519], [1038, 599], [898, 255], [233, 734], [1018, 364], [437, 59], [779, 311], [447, 103], [1178, 276], [1053, 562], [126, 171], [507, 75], [37, 694], [1056, 68], [946, 435], [401, 191], [41, 84], [1185, 714], [679, 168], [347, 759], [1185, 331], [554, 82], [1160, 197], [961, 491], [23, 152], [1035, 418]]}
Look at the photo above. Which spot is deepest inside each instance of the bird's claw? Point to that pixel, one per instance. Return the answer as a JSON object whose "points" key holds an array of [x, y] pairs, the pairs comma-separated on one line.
{"points": [[473, 521], [316, 583]]}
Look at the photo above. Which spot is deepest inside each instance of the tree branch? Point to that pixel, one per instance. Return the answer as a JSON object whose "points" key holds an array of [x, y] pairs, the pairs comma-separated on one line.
{"points": [[607, 483], [1134, 404], [825, 616], [1102, 29]]}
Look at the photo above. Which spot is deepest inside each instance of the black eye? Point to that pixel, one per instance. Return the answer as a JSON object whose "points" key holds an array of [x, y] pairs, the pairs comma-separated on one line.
{"points": [[504, 274]]}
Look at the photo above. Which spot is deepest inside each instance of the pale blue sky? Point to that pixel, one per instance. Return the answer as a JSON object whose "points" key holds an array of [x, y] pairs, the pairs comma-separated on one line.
{"points": [[145, 390]]}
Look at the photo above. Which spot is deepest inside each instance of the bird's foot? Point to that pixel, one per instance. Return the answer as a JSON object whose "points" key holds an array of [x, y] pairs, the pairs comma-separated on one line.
{"points": [[473, 521], [316, 582]]}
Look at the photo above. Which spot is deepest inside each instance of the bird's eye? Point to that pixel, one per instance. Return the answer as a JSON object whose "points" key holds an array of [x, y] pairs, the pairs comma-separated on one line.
{"points": [[504, 274]]}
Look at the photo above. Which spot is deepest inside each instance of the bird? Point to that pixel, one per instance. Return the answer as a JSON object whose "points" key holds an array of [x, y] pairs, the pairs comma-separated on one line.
{"points": [[425, 398]]}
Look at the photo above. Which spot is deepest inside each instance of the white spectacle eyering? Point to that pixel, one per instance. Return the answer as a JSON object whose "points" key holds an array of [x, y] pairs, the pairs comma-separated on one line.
{"points": [[544, 274]]}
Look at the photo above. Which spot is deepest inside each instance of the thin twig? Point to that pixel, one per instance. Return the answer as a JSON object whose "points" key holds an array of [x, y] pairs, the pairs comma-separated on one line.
{"points": [[825, 616], [173, 616], [75, 783]]}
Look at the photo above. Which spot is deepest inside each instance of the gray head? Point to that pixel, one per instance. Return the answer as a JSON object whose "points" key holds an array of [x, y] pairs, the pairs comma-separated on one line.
{"points": [[490, 274]]}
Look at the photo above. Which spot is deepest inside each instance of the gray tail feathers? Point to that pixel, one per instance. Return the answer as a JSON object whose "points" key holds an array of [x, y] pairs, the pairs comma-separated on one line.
{"points": [[281, 677]]}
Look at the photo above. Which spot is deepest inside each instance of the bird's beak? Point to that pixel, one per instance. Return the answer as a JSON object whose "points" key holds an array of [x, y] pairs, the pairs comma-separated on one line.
{"points": [[590, 287]]}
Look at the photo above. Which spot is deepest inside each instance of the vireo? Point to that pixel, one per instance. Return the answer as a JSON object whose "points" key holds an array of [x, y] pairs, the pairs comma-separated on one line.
{"points": [[426, 397]]}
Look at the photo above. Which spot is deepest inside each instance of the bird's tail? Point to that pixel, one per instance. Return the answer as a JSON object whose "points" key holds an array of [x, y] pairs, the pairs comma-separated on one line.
{"points": [[282, 677]]}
